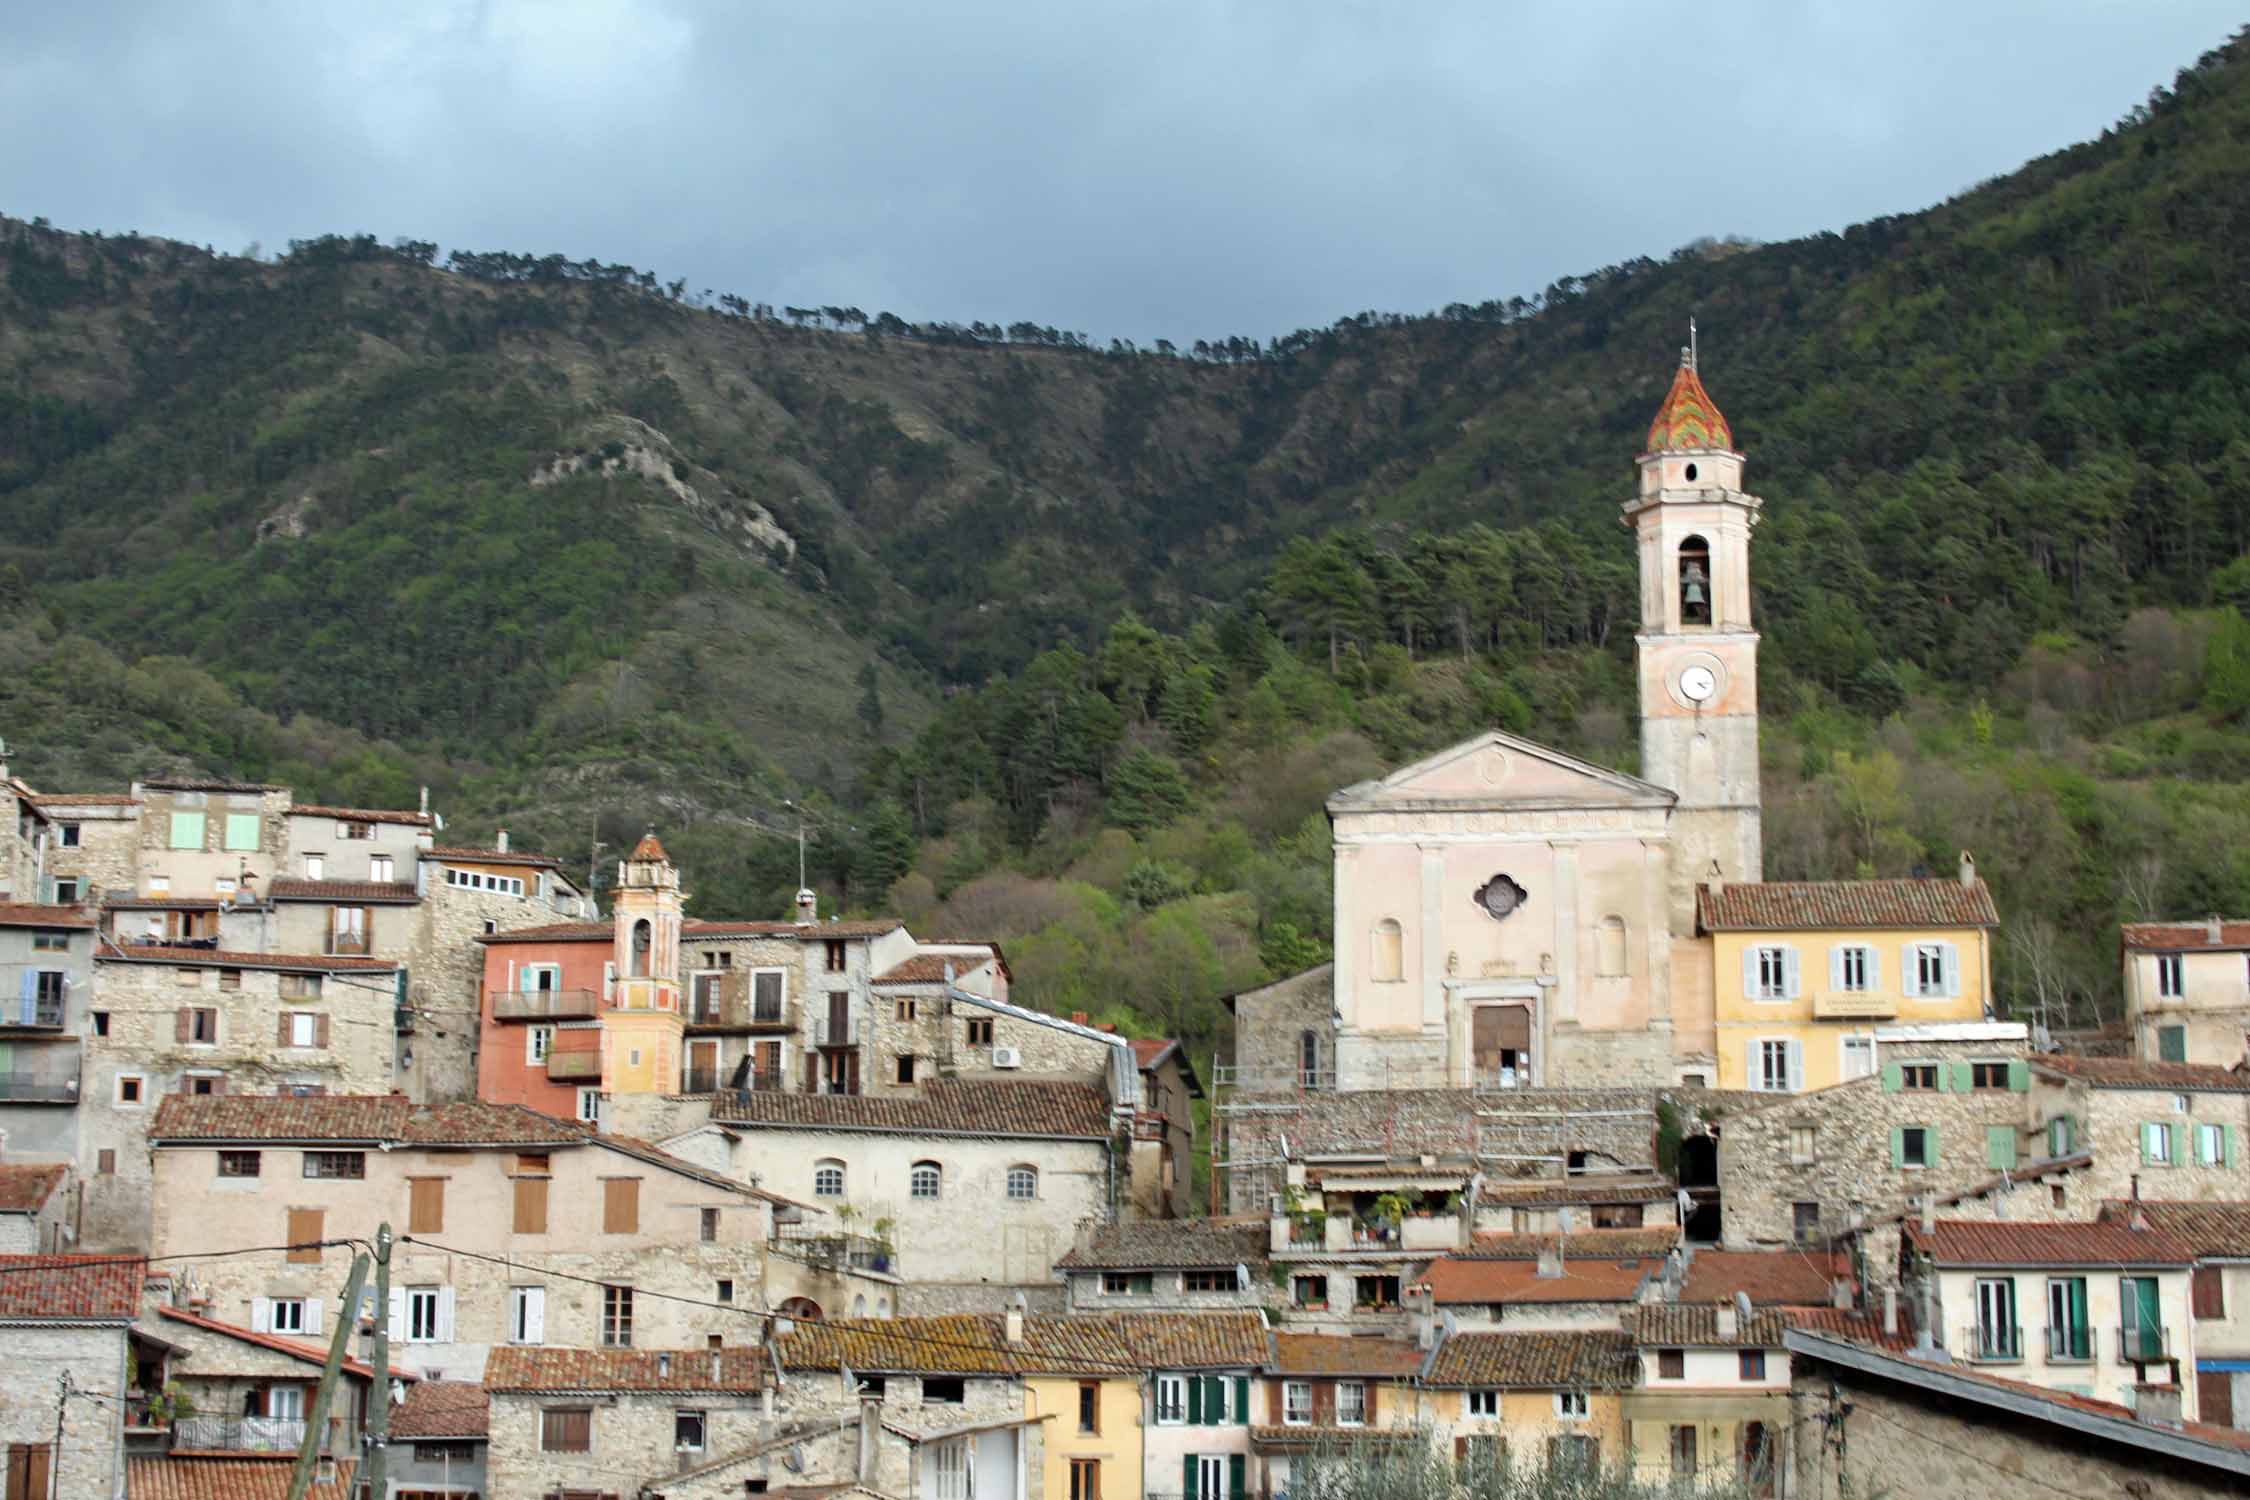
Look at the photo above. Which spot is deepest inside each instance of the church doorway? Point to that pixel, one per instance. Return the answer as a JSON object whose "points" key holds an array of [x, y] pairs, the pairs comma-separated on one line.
{"points": [[1500, 1044]]}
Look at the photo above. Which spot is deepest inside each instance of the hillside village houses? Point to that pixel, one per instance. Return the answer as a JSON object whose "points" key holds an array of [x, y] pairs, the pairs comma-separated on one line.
{"points": [[1589, 1144]]}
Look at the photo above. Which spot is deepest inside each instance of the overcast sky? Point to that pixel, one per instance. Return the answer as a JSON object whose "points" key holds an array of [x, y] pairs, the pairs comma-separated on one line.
{"points": [[1141, 169]]}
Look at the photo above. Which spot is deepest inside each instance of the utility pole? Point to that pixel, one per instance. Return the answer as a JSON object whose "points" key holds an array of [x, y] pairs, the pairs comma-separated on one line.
{"points": [[379, 1412], [316, 1420]]}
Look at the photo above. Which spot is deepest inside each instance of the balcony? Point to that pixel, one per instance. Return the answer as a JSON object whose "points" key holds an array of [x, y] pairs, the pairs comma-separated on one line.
{"points": [[545, 1005], [578, 1065], [1993, 1343], [345, 945], [1865, 1005], [833, 1250], [237, 1434], [731, 1005], [2070, 1346], [43, 1073], [2143, 1344], [826, 1033]]}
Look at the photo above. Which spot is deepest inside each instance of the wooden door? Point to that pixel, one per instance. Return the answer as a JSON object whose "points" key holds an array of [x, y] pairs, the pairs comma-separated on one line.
{"points": [[1485, 1040], [2214, 1397], [27, 1471]]}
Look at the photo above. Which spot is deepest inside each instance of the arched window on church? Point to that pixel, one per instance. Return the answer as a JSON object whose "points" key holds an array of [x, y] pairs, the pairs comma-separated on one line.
{"points": [[1611, 938], [641, 936], [1695, 581], [1390, 951], [1308, 1060]]}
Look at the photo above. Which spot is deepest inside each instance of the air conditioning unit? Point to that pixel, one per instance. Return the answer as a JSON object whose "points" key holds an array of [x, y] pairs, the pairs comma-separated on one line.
{"points": [[1006, 1057]]}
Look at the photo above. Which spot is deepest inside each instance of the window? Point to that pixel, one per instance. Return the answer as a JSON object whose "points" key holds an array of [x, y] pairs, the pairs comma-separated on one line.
{"points": [[336, 1164], [835, 955], [1918, 1077], [2207, 1292], [130, 1087], [1801, 1139], [1855, 969], [1914, 1146], [1296, 1403], [1207, 1281], [1571, 1406], [379, 868], [349, 830], [316, 866], [906, 1008], [101, 1023], [2171, 975], [590, 1106], [1389, 952], [300, 1028], [105, 1163], [288, 1315], [2171, 1044], [198, 1026], [1375, 1292], [1769, 968], [1090, 1406], [617, 1317], [621, 1205], [187, 830], [949, 1461], [1311, 1291], [2211, 1145], [230, 979], [1750, 1364], [300, 986], [1171, 1400], [1128, 1283], [422, 1314], [1671, 1364], [347, 929], [708, 1226], [455, 1454], [1988, 1075], [538, 1041], [205, 1083], [687, 1431], [1778, 1072], [1482, 1404], [238, 1163], [1023, 1183], [568, 1429], [49, 940], [2140, 1320], [828, 1179], [1996, 1333], [1859, 1056], [924, 1180], [425, 1205], [945, 1390], [531, 1198], [69, 835], [1931, 970], [2156, 1144], [1804, 1222], [980, 1031], [1580, 1454], [477, 880], [527, 1314], [242, 831], [1683, 1450], [1085, 1479]]}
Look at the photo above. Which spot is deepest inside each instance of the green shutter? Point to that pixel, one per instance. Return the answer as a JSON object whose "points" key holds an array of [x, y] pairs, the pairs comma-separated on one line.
{"points": [[1195, 1399], [2019, 1076], [2171, 1043], [1235, 1475], [1894, 1078], [1963, 1078], [1215, 1400], [1187, 1485], [2228, 1144], [1929, 1145], [1999, 1146], [242, 830], [1898, 1146], [187, 830], [1241, 1404], [2141, 1132]]}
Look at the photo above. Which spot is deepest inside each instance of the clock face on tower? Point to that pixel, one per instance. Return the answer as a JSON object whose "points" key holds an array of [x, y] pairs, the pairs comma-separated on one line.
{"points": [[1698, 683]]}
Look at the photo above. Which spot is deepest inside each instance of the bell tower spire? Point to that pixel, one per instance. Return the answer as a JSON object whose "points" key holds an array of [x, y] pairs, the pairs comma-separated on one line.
{"points": [[1698, 652]]}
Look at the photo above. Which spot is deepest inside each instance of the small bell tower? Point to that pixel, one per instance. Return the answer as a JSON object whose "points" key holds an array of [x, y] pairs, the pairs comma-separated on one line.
{"points": [[1698, 653], [644, 1024]]}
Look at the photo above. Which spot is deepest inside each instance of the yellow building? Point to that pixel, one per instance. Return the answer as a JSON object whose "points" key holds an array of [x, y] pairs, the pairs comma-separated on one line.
{"points": [[1555, 1397], [1093, 1442], [642, 1032], [1804, 973], [1713, 1398]]}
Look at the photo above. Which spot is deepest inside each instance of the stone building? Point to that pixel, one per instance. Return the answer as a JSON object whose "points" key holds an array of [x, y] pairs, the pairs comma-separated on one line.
{"points": [[1167, 1265], [2187, 990], [1324, 1393], [91, 845], [2176, 1127], [439, 1434], [1163, 1129], [36, 1208], [46, 977], [517, 1229], [65, 1324], [1554, 1206], [617, 1421]]}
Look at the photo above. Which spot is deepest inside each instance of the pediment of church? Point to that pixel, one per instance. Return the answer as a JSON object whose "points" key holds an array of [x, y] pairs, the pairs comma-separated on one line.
{"points": [[1498, 770]]}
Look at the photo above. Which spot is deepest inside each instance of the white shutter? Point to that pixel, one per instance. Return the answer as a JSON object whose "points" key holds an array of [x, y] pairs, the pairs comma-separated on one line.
{"points": [[312, 1315], [1952, 958], [1796, 1067], [261, 1314], [1750, 1063], [1836, 970], [1909, 972], [398, 1314], [1750, 974], [445, 1315], [1874, 968], [535, 1315], [1790, 985]]}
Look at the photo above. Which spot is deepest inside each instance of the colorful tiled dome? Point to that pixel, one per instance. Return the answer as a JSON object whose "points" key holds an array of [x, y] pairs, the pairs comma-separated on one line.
{"points": [[649, 850], [1689, 418]]}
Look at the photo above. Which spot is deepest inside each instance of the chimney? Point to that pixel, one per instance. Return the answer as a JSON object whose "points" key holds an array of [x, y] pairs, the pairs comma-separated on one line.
{"points": [[500, 841], [1013, 1323], [2214, 928], [1550, 1262], [1729, 1324], [870, 1419], [2156, 1402], [2135, 1218], [808, 907], [1078, 1018], [1968, 868], [1840, 1293], [1890, 1312], [425, 801], [1929, 1213]]}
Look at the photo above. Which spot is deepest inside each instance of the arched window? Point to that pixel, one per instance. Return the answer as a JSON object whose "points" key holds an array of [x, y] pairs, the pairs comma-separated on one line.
{"points": [[803, 1309], [1308, 1060], [640, 948], [859, 1305], [1611, 938], [1695, 581], [828, 1178], [1023, 1183], [924, 1180], [1390, 951]]}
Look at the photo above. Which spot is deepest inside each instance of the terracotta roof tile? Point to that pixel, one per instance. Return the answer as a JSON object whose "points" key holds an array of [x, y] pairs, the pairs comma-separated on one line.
{"points": [[442, 1409], [2209, 1229], [976, 1343], [1843, 1323], [557, 932], [25, 1188], [226, 958], [515, 1369], [308, 1351], [459, 854], [343, 890], [1797, 1278], [1579, 1190], [96, 1288], [1458, 1281], [364, 815], [206, 784], [32, 914], [134, 901], [357, 1117], [1582, 1244], [201, 1478], [85, 799], [1148, 1051], [929, 968], [947, 1107], [691, 932], [1674, 1326], [1968, 1242], [867, 927], [2130, 1073], [2184, 936], [1339, 1354], [1786, 905], [1311, 1439], [650, 849], [1689, 418], [1171, 1244], [1591, 1360]]}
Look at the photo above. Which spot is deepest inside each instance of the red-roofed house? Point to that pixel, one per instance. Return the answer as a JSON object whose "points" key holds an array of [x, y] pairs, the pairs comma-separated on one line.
{"points": [[1552, 1291], [2179, 1127], [35, 1203], [65, 1321], [2187, 990]]}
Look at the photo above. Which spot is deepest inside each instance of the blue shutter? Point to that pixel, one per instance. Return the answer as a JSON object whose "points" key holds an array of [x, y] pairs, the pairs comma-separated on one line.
{"points": [[30, 997], [1790, 983]]}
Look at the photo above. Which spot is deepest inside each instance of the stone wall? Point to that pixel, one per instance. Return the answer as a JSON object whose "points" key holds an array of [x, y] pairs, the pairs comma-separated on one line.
{"points": [[2108, 1122], [1270, 1022], [1167, 1293], [197, 871], [919, 1299], [88, 1458], [937, 1037], [445, 982], [632, 1439], [107, 852]]}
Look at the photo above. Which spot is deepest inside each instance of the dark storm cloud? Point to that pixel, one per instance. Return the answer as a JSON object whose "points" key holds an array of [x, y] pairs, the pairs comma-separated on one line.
{"points": [[1138, 169]]}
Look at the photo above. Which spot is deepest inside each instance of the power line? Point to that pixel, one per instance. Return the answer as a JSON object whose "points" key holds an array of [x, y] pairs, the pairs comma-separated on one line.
{"points": [[93, 1263]]}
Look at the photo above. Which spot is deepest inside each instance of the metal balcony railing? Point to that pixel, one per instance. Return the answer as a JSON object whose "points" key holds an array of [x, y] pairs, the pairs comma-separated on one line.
{"points": [[238, 1434], [44, 1073], [1993, 1343], [2142, 1343], [345, 944], [544, 1005], [574, 1067], [701, 1080], [2069, 1345]]}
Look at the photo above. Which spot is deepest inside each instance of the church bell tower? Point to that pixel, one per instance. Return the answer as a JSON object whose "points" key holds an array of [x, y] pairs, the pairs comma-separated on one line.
{"points": [[1698, 653]]}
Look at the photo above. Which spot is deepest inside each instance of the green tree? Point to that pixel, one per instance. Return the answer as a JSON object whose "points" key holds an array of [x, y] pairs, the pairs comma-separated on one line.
{"points": [[2226, 666], [871, 700], [1146, 789]]}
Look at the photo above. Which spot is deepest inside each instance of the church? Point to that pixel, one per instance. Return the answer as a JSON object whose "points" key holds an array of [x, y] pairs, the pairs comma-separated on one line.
{"points": [[1510, 916]]}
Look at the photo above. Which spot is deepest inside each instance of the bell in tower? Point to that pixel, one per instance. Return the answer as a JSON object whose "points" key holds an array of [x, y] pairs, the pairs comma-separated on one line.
{"points": [[1695, 581]]}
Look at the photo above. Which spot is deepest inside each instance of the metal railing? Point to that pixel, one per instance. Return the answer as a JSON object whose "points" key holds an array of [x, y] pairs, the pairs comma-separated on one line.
{"points": [[574, 1066], [238, 1434], [1993, 1342], [345, 944], [55, 1083], [2142, 1343], [544, 1005], [2070, 1345], [832, 1249]]}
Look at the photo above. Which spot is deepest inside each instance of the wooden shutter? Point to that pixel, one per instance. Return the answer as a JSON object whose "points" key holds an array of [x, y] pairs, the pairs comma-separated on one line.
{"points": [[2019, 1077], [1792, 984], [1460, 1450], [320, 1031], [621, 1205], [1898, 1146], [531, 1205], [1750, 973], [2210, 1295], [2214, 1397], [28, 1471], [1894, 1078], [425, 1211], [304, 1227], [281, 1034], [183, 1025]]}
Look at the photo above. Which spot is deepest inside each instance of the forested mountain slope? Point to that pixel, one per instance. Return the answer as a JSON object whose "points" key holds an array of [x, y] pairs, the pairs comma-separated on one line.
{"points": [[575, 544]]}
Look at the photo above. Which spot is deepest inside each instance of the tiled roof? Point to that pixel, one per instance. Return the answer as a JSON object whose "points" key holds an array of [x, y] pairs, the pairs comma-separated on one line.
{"points": [[1582, 1244], [737, 1369], [1689, 418], [1148, 1051], [461, 855], [1797, 1278], [311, 1353], [225, 958], [650, 849], [342, 890], [557, 932], [134, 901], [1843, 1323], [442, 1408], [96, 1288], [1457, 1281], [357, 1117], [1578, 1190], [206, 784], [867, 927], [1796, 905], [1323, 1439], [85, 799], [2180, 936], [201, 1478], [691, 932], [1968, 1242], [31, 914], [929, 968], [24, 1187], [1676, 1326], [977, 1344], [2221, 1229], [1591, 1360], [1340, 1354], [2129, 1073], [1171, 1244], [363, 815], [1002, 1107]]}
